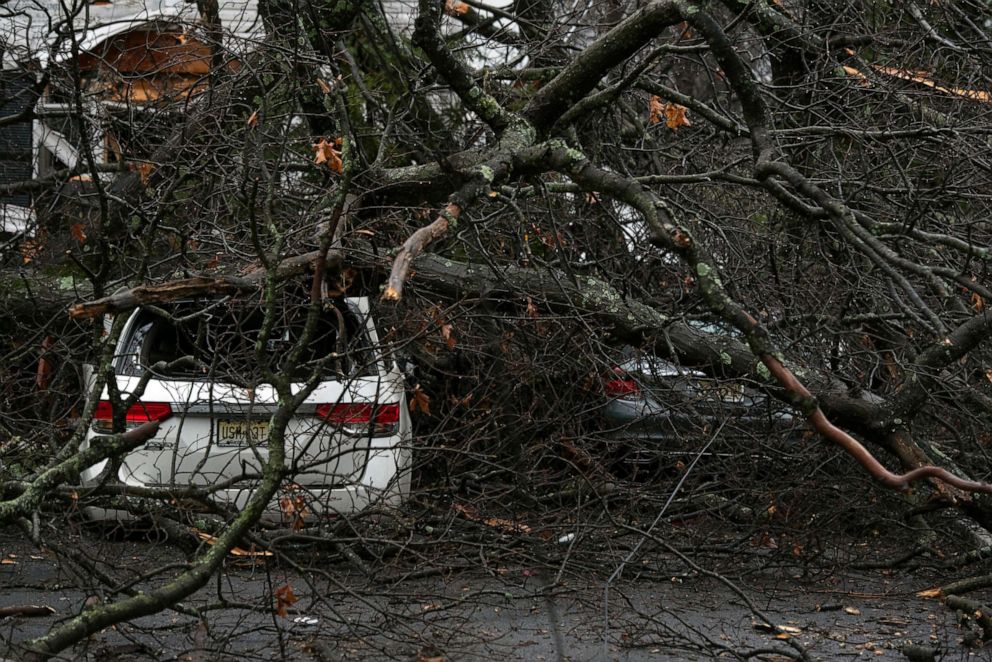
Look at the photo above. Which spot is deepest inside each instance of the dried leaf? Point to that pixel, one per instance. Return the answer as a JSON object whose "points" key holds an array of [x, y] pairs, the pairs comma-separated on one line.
{"points": [[323, 85], [504, 525], [977, 302], [235, 551], [656, 109], [455, 8], [285, 598], [144, 170], [7, 562], [853, 611], [253, 119], [447, 332], [934, 592], [675, 116], [988, 375], [327, 153], [30, 249], [78, 232], [420, 401], [294, 507], [531, 309]]}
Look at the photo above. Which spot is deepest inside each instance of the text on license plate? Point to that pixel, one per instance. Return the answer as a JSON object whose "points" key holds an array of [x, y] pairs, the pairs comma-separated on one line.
{"points": [[243, 432]]}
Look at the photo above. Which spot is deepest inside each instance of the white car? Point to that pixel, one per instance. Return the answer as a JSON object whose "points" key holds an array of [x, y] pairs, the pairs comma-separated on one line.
{"points": [[347, 446]]}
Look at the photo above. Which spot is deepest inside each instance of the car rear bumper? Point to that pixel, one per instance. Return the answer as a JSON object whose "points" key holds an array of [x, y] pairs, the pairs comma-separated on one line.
{"points": [[385, 482]]}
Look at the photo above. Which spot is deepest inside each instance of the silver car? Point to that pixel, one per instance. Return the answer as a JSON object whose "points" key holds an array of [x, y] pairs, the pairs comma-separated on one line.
{"points": [[655, 408], [348, 444]]}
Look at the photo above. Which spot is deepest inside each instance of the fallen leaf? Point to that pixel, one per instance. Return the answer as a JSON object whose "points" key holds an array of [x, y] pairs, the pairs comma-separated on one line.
{"points": [[988, 375], [327, 153], [853, 611], [294, 507], [235, 551], [934, 592], [285, 598], [253, 119], [656, 109], [505, 525], [7, 562], [531, 308], [78, 232], [30, 249], [447, 332], [977, 302], [420, 401], [675, 116], [455, 8], [324, 87]]}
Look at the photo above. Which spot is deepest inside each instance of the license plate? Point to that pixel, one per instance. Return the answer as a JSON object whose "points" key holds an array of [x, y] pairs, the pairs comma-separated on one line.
{"points": [[243, 432]]}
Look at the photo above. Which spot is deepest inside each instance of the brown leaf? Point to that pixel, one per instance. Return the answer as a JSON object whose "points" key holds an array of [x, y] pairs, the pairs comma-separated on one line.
{"points": [[656, 109], [977, 302], [324, 87], [934, 592], [30, 249], [988, 375], [235, 551], [447, 332], [45, 368], [504, 525], [327, 153], [420, 401], [253, 119], [455, 8], [285, 598], [144, 170], [675, 116], [531, 309], [294, 507], [78, 232]]}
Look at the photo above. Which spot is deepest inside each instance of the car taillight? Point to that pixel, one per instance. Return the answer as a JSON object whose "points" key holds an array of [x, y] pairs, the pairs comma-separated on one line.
{"points": [[137, 414], [359, 418], [620, 385]]}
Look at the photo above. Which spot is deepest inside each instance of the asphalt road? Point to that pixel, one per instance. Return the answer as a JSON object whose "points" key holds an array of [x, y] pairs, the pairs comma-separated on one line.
{"points": [[498, 613]]}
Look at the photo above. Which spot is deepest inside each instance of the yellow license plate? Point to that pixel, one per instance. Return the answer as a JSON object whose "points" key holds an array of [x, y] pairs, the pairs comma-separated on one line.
{"points": [[243, 432]]}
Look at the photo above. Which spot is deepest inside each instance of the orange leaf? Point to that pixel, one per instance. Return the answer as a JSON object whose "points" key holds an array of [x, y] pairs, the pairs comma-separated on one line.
{"points": [[675, 116], [500, 523], [77, 232], [253, 120], [455, 8], [448, 335], [294, 507], [655, 109], [977, 302], [285, 598], [531, 309], [30, 250], [420, 401], [235, 551], [144, 170], [325, 152], [930, 593]]}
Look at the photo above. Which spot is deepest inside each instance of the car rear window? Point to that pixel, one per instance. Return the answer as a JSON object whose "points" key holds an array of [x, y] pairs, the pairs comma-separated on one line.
{"points": [[220, 338]]}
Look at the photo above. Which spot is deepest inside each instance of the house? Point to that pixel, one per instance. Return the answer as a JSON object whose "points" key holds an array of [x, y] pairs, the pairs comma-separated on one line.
{"points": [[133, 58]]}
